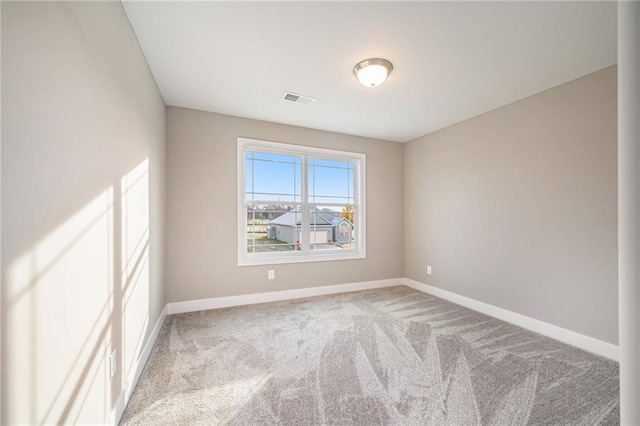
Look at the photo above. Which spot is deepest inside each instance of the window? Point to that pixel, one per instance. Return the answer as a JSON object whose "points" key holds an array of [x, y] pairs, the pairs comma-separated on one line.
{"points": [[299, 204], [344, 229]]}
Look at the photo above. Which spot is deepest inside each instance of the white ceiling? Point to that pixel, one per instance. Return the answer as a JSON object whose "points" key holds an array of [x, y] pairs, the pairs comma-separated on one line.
{"points": [[452, 60]]}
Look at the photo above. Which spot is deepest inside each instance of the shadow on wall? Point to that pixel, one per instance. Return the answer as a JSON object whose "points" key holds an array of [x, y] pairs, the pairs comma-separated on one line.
{"points": [[76, 296]]}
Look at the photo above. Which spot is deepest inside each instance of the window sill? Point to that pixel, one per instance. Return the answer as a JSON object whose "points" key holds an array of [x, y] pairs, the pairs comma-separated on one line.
{"points": [[278, 260]]}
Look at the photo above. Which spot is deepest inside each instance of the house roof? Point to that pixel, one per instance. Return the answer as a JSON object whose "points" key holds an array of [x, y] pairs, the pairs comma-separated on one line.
{"points": [[333, 218], [294, 218]]}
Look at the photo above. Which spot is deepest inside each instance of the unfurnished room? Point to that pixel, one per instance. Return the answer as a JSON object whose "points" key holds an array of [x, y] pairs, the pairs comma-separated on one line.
{"points": [[320, 213]]}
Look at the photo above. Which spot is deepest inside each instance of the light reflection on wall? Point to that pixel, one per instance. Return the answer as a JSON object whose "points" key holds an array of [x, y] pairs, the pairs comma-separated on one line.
{"points": [[135, 262], [75, 296]]}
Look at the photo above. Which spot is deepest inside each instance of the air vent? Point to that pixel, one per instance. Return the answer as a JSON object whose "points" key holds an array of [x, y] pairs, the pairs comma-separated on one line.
{"points": [[298, 99]]}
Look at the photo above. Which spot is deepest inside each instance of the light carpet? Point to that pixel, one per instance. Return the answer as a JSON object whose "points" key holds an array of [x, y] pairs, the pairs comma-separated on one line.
{"points": [[389, 356]]}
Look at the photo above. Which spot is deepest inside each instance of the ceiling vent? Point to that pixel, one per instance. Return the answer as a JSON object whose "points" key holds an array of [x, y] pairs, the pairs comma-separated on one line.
{"points": [[298, 99]]}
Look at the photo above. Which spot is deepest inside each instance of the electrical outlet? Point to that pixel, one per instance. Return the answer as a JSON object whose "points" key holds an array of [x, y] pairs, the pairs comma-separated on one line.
{"points": [[428, 269], [113, 364], [271, 274]]}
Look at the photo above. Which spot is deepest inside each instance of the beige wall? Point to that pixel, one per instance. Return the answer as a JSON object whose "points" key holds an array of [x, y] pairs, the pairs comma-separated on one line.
{"points": [[518, 207], [83, 161], [202, 209]]}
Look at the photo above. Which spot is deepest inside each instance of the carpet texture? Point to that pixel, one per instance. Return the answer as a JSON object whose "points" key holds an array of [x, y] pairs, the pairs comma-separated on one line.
{"points": [[390, 356]]}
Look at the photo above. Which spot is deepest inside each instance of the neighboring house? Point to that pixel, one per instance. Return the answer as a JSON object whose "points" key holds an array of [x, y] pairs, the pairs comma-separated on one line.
{"points": [[326, 227]]}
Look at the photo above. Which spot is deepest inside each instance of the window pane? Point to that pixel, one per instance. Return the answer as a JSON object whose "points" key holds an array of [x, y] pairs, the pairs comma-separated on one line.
{"points": [[273, 228], [272, 177], [332, 227], [331, 181]]}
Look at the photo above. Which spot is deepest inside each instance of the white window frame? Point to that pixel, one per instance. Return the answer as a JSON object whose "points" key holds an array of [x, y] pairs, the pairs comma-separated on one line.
{"points": [[305, 254]]}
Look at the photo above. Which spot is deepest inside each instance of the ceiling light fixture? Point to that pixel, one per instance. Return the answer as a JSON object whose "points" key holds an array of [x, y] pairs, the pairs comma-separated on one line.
{"points": [[372, 72]]}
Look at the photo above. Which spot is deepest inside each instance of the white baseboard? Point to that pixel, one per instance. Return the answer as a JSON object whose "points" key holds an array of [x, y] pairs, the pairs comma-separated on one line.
{"points": [[132, 379], [563, 335], [274, 296], [134, 375], [113, 418]]}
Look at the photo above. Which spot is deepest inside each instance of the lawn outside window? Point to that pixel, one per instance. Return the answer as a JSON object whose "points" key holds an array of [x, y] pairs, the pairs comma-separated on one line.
{"points": [[299, 204]]}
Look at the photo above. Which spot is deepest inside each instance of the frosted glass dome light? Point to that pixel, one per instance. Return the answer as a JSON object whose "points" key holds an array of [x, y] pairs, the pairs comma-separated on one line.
{"points": [[372, 72]]}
